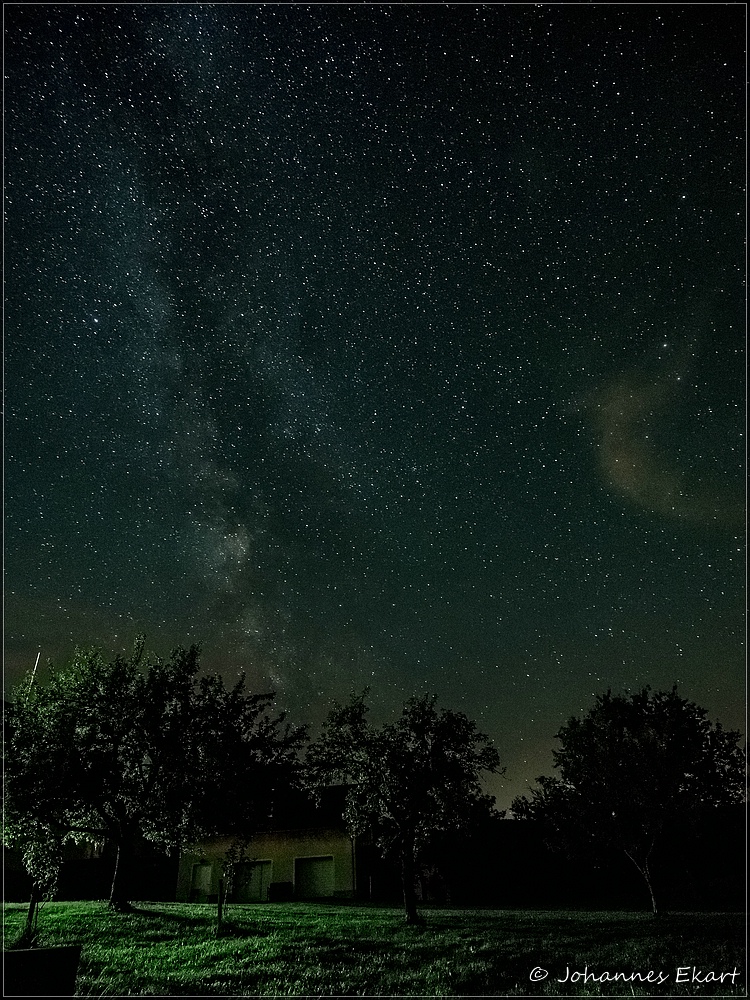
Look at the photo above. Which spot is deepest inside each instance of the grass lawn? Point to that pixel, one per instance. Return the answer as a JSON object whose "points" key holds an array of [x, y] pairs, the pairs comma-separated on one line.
{"points": [[297, 949]]}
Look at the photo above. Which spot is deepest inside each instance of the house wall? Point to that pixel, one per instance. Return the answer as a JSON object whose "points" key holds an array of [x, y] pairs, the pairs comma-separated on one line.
{"points": [[281, 848]]}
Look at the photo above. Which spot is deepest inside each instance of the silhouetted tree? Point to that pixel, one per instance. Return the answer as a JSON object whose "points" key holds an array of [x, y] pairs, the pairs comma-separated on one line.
{"points": [[138, 748], [629, 767], [409, 782]]}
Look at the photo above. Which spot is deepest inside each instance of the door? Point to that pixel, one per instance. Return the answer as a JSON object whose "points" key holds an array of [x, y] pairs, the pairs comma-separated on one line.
{"points": [[200, 887], [252, 881], [314, 877]]}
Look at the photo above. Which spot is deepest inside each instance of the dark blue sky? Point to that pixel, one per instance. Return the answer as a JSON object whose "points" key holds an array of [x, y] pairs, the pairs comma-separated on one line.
{"points": [[387, 345]]}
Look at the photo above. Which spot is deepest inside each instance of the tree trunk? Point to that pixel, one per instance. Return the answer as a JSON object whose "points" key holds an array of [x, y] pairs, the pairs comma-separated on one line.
{"points": [[646, 874], [407, 882], [220, 906], [28, 935], [118, 897]]}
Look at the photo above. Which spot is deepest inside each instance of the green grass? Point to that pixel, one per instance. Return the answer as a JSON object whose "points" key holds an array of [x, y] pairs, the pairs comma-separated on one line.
{"points": [[296, 949]]}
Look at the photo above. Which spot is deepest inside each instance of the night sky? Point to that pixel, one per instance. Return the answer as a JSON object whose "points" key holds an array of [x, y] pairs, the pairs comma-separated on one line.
{"points": [[383, 345]]}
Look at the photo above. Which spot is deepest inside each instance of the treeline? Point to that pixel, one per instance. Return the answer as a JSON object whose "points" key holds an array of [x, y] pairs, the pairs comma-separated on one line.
{"points": [[144, 749]]}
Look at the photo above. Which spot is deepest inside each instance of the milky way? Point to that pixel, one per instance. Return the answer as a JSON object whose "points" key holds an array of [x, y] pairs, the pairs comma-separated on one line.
{"points": [[398, 346]]}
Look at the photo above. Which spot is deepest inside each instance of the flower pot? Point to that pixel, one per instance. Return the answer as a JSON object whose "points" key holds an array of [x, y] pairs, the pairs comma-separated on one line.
{"points": [[41, 972]]}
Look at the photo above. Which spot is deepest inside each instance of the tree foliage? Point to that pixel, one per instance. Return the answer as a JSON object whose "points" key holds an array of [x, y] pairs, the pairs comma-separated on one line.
{"points": [[629, 767], [134, 748], [408, 782]]}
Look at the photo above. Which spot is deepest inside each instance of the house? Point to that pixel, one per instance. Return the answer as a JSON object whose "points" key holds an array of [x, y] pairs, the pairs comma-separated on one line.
{"points": [[305, 853]]}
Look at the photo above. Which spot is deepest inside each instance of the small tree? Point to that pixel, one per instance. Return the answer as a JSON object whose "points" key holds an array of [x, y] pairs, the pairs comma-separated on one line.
{"points": [[409, 782], [628, 768], [139, 748], [41, 851]]}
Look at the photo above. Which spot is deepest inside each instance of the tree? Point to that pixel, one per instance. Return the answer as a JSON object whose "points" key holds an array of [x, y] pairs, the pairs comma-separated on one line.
{"points": [[630, 767], [138, 748], [409, 781]]}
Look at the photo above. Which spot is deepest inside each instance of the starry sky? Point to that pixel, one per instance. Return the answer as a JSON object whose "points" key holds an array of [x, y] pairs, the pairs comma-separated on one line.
{"points": [[387, 345]]}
